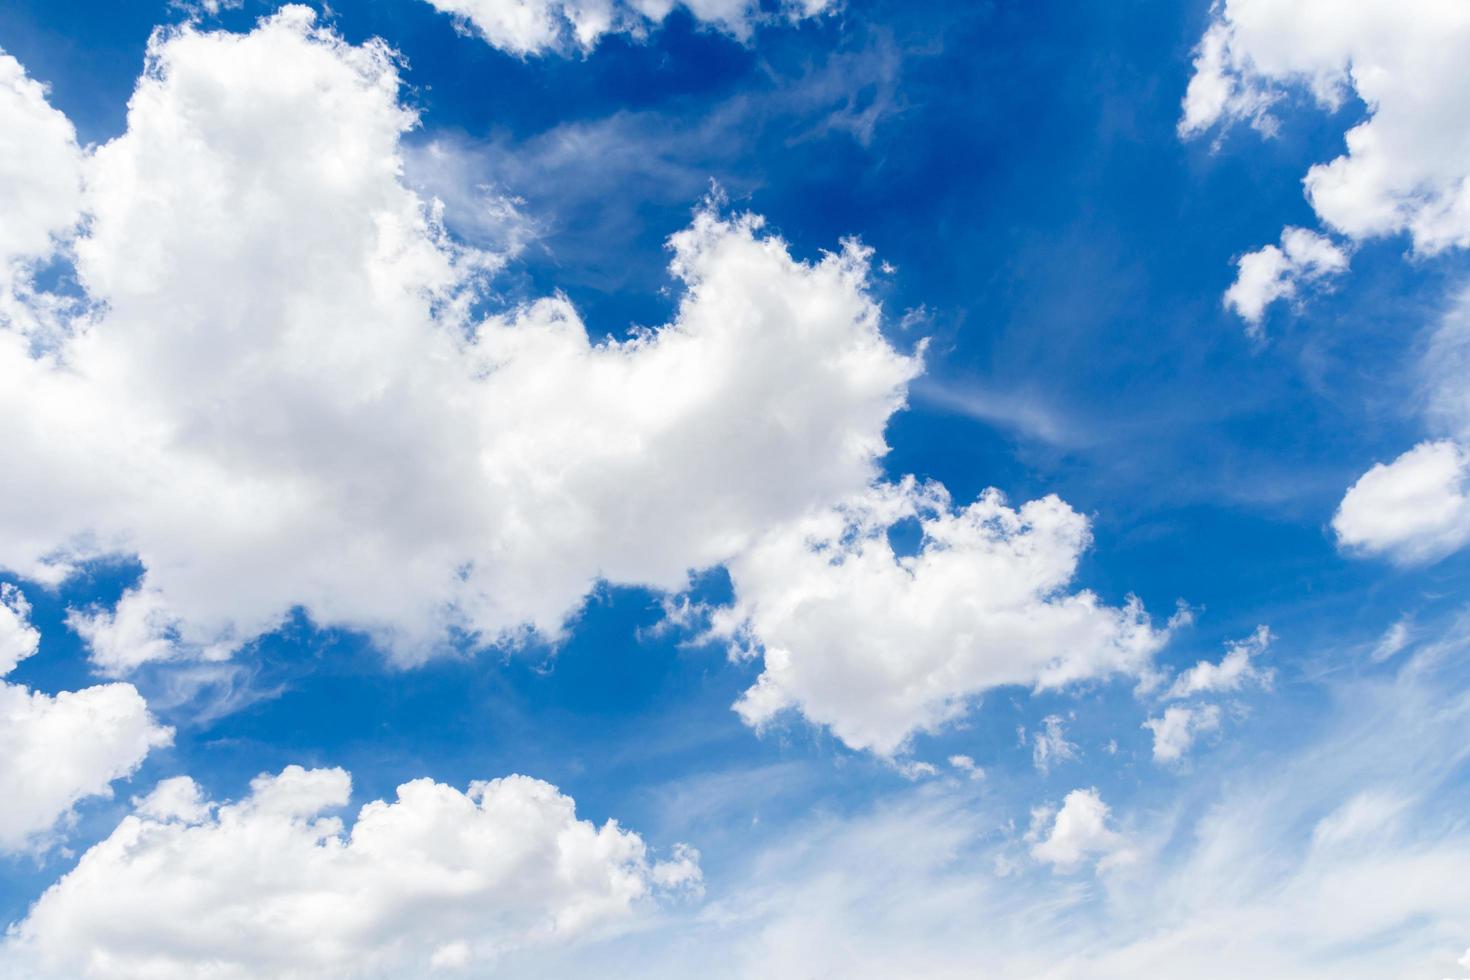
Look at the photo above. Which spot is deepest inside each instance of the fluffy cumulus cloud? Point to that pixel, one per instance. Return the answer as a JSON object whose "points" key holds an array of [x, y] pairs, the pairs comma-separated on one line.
{"points": [[1237, 669], [532, 27], [40, 191], [18, 638], [1176, 730], [56, 750], [1406, 170], [1273, 273], [878, 645], [279, 397], [1407, 164], [1079, 831], [1416, 508], [1413, 510], [272, 886]]}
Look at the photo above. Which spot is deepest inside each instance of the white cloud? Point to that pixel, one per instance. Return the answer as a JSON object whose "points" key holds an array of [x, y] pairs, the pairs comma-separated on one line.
{"points": [[878, 646], [1406, 170], [534, 27], [1416, 509], [1175, 732], [966, 765], [1178, 728], [205, 8], [176, 798], [56, 750], [1227, 879], [1235, 670], [1407, 165], [1393, 640], [1445, 371], [1049, 746], [1079, 831], [1273, 273], [1369, 813], [18, 638], [284, 402], [1413, 510], [40, 192], [269, 886]]}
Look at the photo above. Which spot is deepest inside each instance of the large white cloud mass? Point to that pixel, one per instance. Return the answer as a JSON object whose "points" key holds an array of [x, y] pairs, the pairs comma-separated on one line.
{"points": [[56, 750], [270, 887], [877, 645], [533, 27], [281, 399]]}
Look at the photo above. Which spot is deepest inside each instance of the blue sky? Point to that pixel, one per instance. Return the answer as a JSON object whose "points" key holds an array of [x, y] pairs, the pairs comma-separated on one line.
{"points": [[1045, 239]]}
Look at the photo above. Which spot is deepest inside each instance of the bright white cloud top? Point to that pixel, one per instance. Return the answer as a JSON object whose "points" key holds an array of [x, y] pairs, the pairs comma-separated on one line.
{"points": [[878, 646], [57, 750], [282, 401], [270, 886], [535, 27], [40, 188], [1176, 730], [1405, 169], [1414, 509], [1272, 273], [18, 638], [1079, 831]]}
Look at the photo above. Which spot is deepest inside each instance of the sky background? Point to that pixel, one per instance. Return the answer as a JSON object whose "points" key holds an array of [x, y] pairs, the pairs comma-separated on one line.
{"points": [[1016, 167]]}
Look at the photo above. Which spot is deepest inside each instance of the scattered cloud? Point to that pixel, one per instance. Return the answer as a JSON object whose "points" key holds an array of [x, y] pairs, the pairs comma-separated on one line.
{"points": [[1234, 671], [18, 638], [1408, 161], [1416, 509], [1393, 641], [1343, 859], [40, 196], [1049, 747], [1273, 273], [537, 27], [57, 750], [1176, 730]]}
